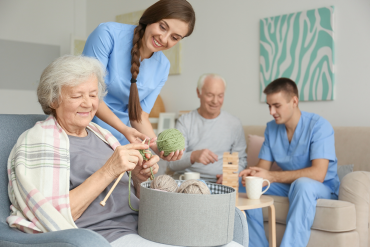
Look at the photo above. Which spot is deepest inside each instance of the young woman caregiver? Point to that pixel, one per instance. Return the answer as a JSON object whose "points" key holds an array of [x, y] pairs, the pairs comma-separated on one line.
{"points": [[136, 67]]}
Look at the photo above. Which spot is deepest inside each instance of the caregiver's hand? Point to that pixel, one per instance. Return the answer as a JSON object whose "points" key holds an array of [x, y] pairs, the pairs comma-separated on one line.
{"points": [[245, 173], [134, 136], [125, 158], [170, 157]]}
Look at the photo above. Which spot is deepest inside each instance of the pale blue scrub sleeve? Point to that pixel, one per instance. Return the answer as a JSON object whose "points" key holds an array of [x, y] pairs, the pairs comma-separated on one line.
{"points": [[99, 45], [265, 152], [322, 142], [148, 103]]}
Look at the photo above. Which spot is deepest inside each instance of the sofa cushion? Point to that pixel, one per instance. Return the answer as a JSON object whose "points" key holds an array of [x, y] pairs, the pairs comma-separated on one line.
{"points": [[331, 215], [320, 238], [254, 146], [344, 170]]}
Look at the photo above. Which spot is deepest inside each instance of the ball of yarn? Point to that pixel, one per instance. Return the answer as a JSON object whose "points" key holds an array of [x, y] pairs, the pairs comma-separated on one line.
{"points": [[164, 182], [170, 140], [193, 187]]}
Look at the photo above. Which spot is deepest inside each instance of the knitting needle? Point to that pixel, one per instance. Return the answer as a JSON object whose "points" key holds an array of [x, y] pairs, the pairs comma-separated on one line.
{"points": [[111, 189]]}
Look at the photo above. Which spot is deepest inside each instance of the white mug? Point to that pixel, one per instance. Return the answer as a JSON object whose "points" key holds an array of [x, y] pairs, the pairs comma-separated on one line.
{"points": [[253, 187], [190, 175]]}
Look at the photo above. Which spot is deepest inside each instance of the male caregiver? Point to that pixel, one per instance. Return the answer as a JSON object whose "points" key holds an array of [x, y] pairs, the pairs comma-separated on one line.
{"points": [[302, 145], [209, 132]]}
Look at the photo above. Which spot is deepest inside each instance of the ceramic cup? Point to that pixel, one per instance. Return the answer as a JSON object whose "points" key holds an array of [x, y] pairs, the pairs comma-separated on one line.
{"points": [[190, 175], [253, 187]]}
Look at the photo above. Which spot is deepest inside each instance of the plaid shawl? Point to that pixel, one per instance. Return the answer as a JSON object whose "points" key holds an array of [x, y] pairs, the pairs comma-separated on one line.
{"points": [[38, 171]]}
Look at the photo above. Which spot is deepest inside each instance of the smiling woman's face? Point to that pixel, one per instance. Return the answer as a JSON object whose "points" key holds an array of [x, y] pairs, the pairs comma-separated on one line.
{"points": [[164, 34], [78, 106]]}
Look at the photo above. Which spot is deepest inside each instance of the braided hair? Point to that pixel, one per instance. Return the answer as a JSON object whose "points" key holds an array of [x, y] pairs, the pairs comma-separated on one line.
{"points": [[163, 9]]}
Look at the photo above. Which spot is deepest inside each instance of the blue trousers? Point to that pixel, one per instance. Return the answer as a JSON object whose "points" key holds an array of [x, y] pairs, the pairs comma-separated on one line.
{"points": [[303, 194]]}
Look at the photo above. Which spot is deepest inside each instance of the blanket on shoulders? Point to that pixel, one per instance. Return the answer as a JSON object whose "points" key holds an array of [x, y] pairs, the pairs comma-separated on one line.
{"points": [[39, 174]]}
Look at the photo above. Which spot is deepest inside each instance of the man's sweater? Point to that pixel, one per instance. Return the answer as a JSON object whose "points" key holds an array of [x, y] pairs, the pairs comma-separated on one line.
{"points": [[221, 134]]}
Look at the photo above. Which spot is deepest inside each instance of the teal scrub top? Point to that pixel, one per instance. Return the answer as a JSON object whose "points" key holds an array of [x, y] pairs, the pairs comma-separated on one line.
{"points": [[111, 44], [313, 139]]}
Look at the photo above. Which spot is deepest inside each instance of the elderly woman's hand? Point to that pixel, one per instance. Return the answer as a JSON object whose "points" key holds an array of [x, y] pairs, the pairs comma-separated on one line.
{"points": [[142, 173], [125, 158]]}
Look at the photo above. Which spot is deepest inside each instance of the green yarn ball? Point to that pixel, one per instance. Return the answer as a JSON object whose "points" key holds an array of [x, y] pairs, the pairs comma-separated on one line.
{"points": [[170, 140]]}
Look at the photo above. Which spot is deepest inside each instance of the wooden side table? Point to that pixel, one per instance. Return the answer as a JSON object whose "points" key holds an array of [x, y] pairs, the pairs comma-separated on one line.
{"points": [[243, 203]]}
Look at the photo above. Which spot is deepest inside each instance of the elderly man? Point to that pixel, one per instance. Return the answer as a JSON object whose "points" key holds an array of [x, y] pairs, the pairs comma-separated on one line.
{"points": [[209, 132]]}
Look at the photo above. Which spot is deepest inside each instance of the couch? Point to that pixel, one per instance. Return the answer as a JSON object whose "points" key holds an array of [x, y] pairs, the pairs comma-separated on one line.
{"points": [[337, 223], [11, 127]]}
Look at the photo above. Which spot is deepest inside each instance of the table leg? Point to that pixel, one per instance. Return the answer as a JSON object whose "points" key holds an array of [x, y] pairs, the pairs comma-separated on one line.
{"points": [[243, 211], [272, 226]]}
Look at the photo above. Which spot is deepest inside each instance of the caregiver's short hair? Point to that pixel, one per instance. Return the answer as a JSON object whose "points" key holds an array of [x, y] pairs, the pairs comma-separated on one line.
{"points": [[203, 77], [67, 71]]}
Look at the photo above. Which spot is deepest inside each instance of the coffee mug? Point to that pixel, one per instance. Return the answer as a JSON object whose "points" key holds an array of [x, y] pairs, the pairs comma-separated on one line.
{"points": [[190, 175], [253, 186]]}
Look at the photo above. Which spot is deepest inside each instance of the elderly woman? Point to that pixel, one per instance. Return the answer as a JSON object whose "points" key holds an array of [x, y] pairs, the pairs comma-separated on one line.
{"points": [[62, 168]]}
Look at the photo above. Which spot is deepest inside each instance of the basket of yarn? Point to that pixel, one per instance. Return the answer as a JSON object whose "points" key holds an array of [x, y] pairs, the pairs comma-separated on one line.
{"points": [[186, 213], [170, 140]]}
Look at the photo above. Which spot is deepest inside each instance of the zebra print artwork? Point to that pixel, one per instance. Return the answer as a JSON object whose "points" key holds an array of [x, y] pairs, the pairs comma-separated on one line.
{"points": [[299, 46]]}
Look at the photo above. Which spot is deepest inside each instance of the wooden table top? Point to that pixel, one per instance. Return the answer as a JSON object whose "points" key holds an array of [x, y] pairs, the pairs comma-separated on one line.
{"points": [[244, 203]]}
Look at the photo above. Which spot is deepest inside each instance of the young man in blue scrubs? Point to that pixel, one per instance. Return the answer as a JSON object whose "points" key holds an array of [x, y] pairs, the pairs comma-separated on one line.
{"points": [[302, 144]]}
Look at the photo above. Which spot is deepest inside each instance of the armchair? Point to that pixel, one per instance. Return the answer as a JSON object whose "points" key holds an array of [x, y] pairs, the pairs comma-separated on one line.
{"points": [[11, 127]]}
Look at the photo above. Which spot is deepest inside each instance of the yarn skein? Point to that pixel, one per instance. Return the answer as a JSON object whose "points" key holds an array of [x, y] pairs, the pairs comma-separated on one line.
{"points": [[193, 187], [170, 140], [164, 182]]}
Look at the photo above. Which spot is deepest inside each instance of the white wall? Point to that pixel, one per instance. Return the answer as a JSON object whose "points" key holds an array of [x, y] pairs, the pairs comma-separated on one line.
{"points": [[226, 41], [38, 21]]}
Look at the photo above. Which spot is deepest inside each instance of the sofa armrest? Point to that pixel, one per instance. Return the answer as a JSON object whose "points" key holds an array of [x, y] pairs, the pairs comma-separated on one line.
{"points": [[10, 237], [355, 188]]}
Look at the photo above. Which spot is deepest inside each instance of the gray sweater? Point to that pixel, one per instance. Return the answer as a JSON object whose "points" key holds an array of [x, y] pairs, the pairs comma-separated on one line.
{"points": [[221, 134]]}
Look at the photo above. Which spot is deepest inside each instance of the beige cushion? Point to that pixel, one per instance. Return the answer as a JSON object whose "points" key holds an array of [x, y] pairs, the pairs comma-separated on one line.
{"points": [[352, 146], [321, 238], [254, 146], [331, 215]]}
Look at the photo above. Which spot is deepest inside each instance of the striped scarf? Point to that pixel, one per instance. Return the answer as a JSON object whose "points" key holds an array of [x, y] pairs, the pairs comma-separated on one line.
{"points": [[39, 174]]}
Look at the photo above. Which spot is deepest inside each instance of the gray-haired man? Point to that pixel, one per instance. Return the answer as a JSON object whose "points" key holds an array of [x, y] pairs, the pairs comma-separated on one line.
{"points": [[209, 132]]}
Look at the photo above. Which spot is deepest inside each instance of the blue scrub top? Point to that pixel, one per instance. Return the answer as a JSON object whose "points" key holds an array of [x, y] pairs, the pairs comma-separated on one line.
{"points": [[111, 44], [313, 139]]}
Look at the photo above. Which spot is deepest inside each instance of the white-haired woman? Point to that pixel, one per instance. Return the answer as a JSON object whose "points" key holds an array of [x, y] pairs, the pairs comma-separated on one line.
{"points": [[62, 168], [66, 165]]}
